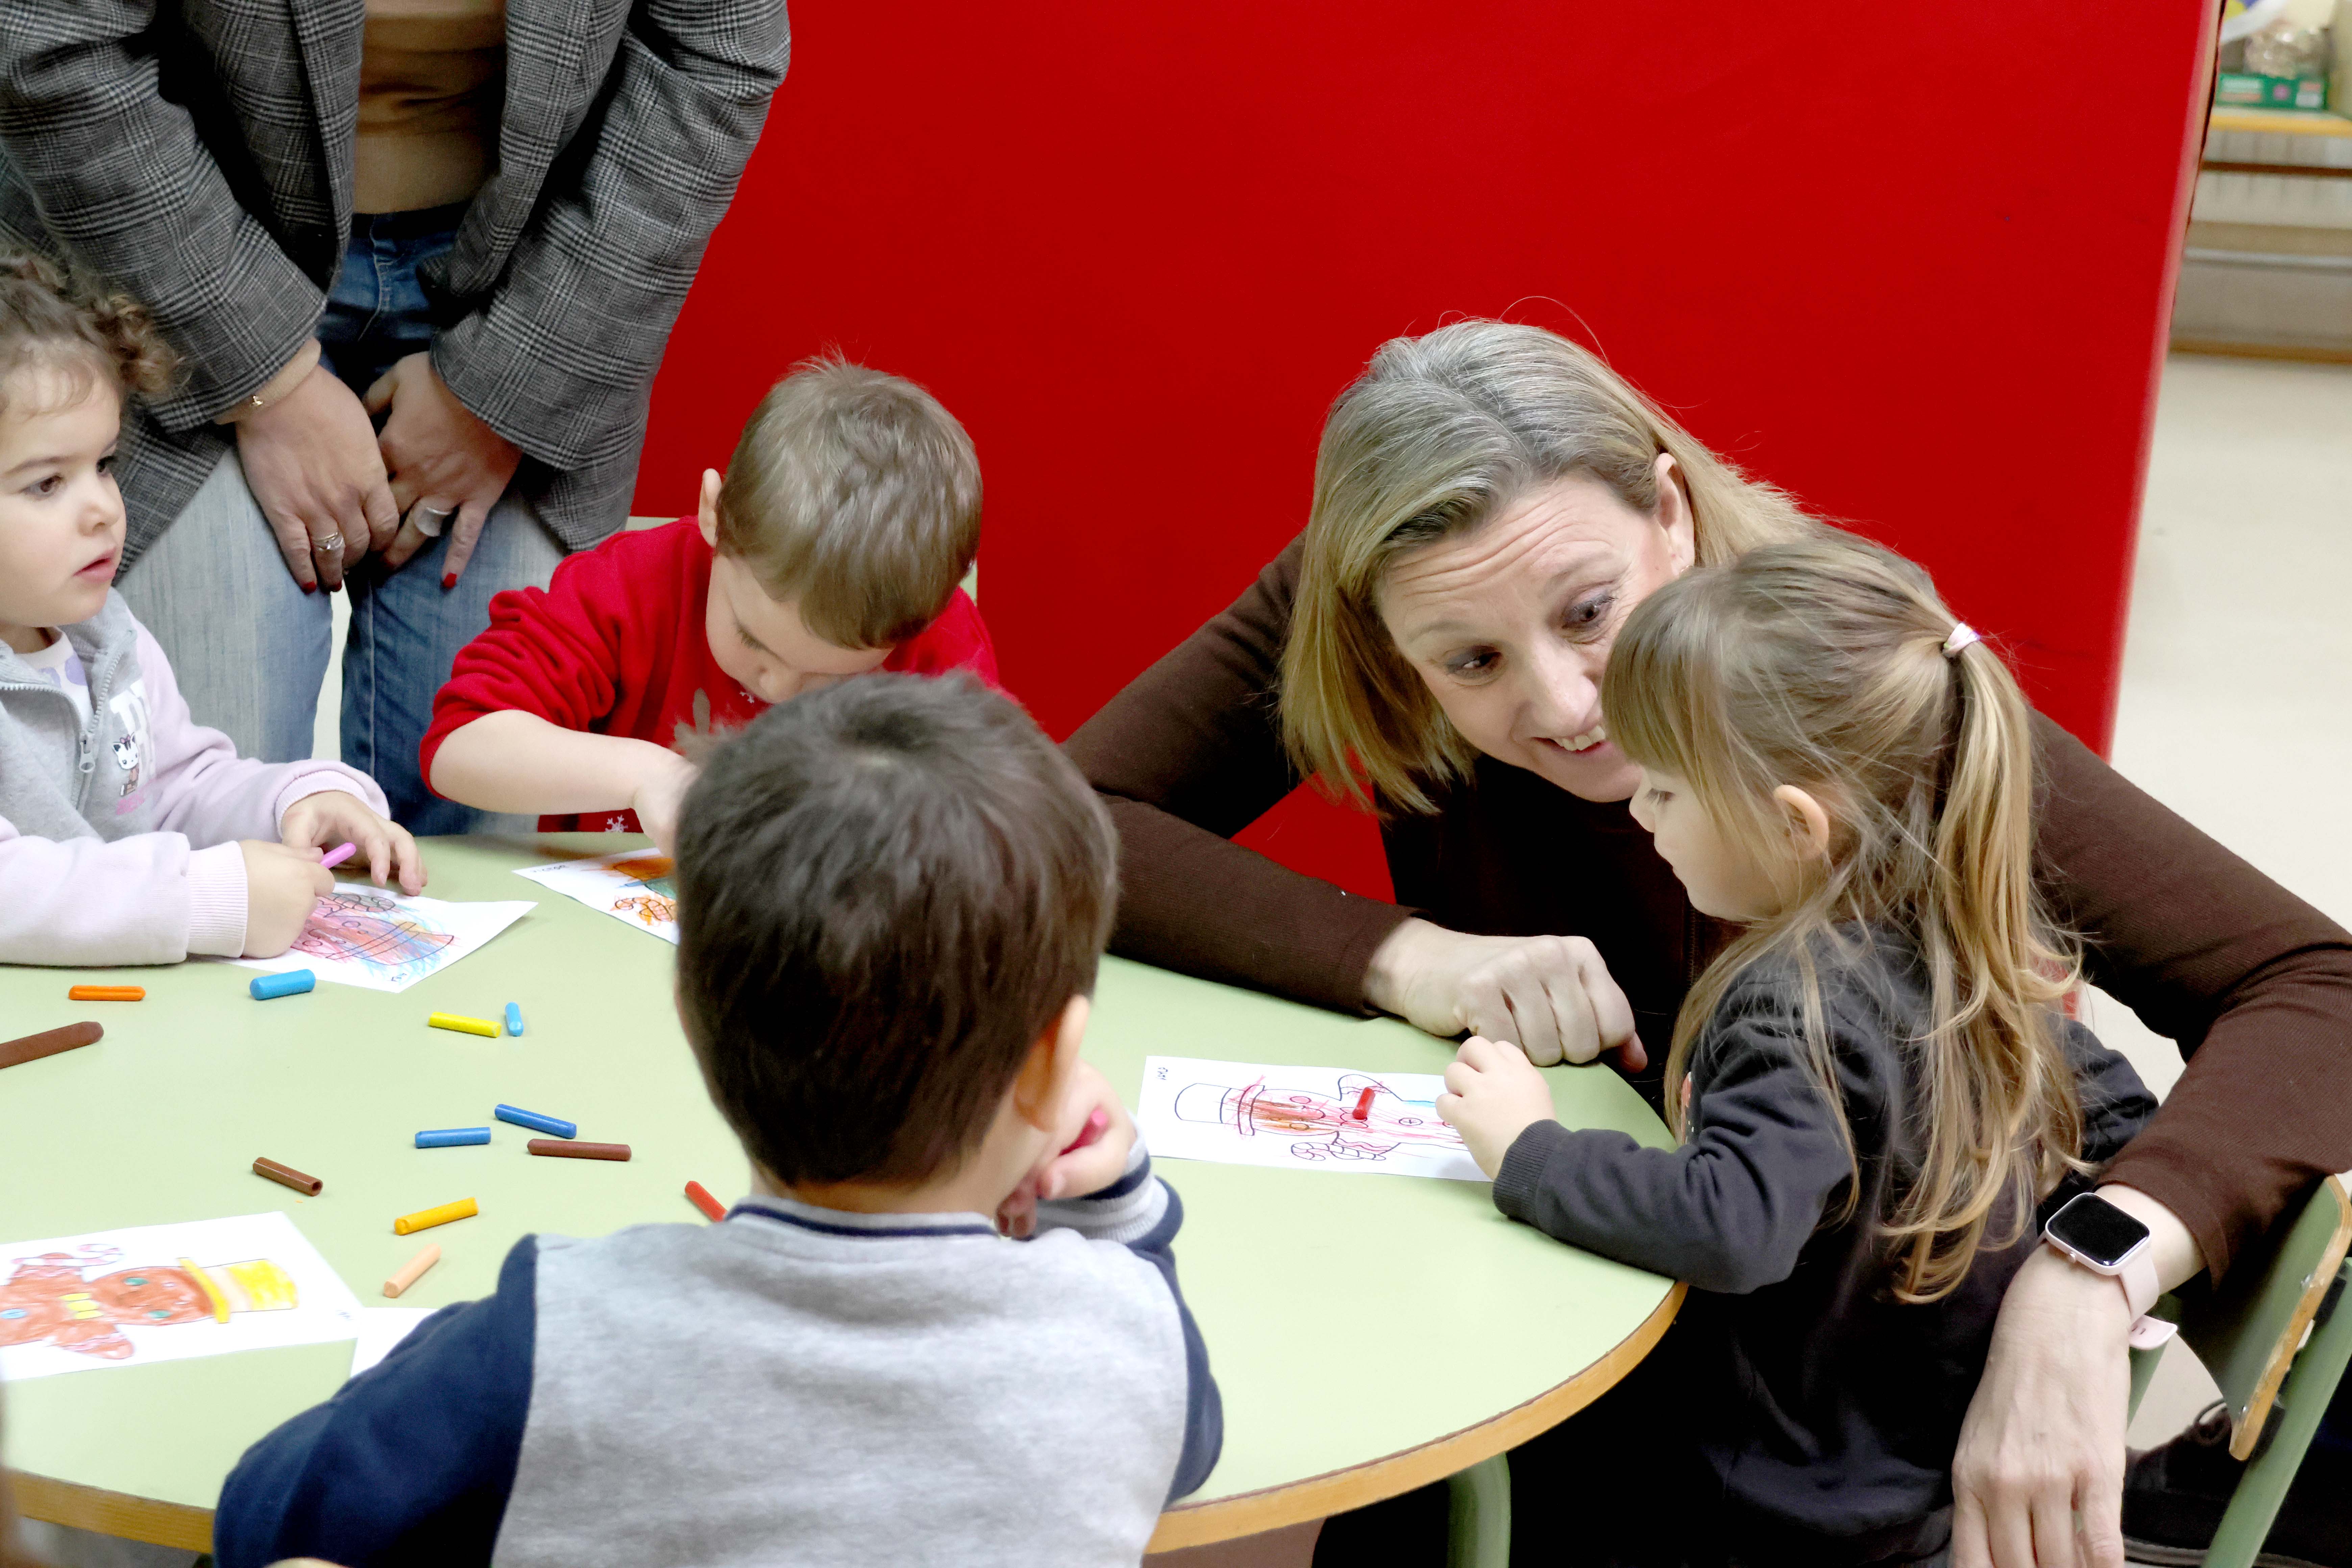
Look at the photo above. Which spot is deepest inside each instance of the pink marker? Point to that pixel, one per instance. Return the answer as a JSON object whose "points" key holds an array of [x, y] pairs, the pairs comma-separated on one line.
{"points": [[337, 856]]}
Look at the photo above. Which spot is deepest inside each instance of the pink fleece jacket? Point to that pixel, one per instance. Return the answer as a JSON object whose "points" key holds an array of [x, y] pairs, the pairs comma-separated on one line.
{"points": [[119, 837]]}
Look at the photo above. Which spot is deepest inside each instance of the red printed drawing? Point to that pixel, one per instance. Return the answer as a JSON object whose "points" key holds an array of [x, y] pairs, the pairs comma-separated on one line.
{"points": [[1331, 1119], [1366, 1121]]}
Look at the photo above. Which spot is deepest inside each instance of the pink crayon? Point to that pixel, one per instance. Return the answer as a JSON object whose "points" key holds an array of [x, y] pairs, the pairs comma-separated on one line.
{"points": [[1098, 1124], [337, 856]]}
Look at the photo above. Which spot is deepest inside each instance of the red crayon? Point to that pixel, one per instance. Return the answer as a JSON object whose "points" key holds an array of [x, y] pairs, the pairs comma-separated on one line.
{"points": [[701, 1198], [1363, 1112]]}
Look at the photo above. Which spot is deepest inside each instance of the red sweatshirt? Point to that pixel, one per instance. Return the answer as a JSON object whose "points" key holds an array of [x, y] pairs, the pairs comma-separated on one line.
{"points": [[614, 645]]}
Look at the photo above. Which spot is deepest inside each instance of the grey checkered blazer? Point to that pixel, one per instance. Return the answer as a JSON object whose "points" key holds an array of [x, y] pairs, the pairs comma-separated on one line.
{"points": [[197, 154]]}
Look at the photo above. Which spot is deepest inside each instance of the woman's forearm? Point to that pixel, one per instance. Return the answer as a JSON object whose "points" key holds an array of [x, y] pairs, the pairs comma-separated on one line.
{"points": [[2176, 1255], [513, 761]]}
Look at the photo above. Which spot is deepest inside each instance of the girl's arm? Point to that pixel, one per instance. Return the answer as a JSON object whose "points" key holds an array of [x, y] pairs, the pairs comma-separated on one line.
{"points": [[204, 790], [144, 900], [1728, 1211]]}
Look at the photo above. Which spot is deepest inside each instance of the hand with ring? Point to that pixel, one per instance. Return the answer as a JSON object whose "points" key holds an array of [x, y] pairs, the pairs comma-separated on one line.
{"points": [[448, 468]]}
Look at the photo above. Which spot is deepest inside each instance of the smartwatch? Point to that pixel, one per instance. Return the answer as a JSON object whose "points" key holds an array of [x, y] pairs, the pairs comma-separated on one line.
{"points": [[2105, 1240]]}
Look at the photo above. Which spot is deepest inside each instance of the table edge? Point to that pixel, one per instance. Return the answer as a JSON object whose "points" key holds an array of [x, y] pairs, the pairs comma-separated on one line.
{"points": [[122, 1514], [1336, 1491], [1187, 1524]]}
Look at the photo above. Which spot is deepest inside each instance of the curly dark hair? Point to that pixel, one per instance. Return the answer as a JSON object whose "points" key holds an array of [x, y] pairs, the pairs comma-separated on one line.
{"points": [[51, 316]]}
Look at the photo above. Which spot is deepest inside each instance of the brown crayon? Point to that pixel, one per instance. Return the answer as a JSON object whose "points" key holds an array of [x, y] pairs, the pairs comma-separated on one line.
{"points": [[48, 1043], [288, 1176], [571, 1149]]}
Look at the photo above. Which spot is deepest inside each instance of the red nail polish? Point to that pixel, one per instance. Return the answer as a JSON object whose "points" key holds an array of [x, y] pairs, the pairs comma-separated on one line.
{"points": [[309, 587], [449, 581]]}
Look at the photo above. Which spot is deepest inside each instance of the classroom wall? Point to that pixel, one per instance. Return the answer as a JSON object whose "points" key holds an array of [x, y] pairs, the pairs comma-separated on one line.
{"points": [[1912, 263]]}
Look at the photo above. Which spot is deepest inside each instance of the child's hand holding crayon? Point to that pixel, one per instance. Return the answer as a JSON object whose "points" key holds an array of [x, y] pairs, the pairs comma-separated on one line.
{"points": [[318, 823], [1088, 1152], [1493, 1093]]}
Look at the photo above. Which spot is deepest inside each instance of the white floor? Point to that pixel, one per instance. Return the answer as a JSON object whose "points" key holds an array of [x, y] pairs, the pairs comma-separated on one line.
{"points": [[2237, 693]]}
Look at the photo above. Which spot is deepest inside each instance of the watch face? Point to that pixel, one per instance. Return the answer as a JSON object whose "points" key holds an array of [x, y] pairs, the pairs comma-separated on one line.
{"points": [[2097, 1229]]}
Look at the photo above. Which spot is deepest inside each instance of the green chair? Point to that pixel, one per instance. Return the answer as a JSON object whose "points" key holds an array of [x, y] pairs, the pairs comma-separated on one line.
{"points": [[2275, 1340]]}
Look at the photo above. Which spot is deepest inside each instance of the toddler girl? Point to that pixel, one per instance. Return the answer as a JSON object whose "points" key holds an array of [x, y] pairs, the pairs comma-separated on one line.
{"points": [[128, 833], [1876, 1093]]}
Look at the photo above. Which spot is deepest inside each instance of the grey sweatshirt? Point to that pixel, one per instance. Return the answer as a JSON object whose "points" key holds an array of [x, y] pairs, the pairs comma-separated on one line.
{"points": [[119, 836], [795, 1385]]}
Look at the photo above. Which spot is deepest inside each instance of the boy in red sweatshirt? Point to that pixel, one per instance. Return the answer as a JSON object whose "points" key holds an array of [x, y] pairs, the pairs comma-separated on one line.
{"points": [[833, 548]]}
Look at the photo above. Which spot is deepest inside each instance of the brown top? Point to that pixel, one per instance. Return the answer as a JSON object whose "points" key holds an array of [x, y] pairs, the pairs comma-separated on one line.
{"points": [[2254, 985], [432, 84]]}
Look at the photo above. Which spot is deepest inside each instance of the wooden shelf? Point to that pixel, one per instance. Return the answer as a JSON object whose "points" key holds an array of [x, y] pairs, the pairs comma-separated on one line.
{"points": [[2292, 121]]}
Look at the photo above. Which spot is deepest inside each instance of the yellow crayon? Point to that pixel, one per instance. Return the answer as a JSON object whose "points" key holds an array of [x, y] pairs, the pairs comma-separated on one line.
{"points": [[463, 1025], [426, 1219]]}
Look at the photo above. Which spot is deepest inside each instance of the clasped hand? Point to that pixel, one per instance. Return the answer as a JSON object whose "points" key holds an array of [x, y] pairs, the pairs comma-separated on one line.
{"points": [[1074, 1164], [332, 489]]}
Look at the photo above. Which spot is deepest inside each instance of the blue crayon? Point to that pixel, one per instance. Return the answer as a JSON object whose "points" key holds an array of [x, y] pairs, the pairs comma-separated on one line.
{"points": [[550, 1125], [514, 1017], [293, 983], [452, 1137]]}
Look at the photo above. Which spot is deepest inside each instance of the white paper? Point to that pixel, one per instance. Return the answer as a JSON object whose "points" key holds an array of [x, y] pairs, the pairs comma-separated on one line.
{"points": [[364, 935], [165, 1293], [632, 886], [381, 1328], [1300, 1119]]}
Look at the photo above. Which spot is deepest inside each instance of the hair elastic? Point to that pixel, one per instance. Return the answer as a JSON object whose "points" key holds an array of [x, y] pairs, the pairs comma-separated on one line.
{"points": [[1962, 635]]}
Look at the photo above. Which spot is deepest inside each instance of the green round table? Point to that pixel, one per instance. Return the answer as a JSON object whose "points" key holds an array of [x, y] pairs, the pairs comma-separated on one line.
{"points": [[1478, 1332]]}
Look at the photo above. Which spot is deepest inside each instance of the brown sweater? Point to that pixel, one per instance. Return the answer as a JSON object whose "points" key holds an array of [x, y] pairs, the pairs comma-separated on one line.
{"points": [[2253, 984]]}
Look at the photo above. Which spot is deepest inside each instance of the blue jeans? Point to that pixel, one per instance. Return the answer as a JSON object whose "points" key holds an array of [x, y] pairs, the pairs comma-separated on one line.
{"points": [[406, 627]]}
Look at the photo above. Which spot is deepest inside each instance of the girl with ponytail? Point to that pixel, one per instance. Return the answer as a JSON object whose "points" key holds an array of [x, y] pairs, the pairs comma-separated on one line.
{"points": [[1877, 1089]]}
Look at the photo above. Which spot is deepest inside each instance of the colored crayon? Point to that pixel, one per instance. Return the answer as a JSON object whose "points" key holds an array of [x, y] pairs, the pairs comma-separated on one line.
{"points": [[412, 1271], [48, 1043], [293, 983], [573, 1150], [514, 1017], [463, 1025], [553, 1126], [337, 856], [1098, 1124], [106, 994], [426, 1219], [288, 1176], [700, 1196], [1363, 1112], [452, 1137]]}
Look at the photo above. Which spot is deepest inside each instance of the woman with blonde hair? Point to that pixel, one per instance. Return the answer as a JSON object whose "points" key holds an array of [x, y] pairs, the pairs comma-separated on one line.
{"points": [[1491, 502]]}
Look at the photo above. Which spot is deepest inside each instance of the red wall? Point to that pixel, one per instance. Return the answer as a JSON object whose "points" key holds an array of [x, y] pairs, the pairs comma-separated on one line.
{"points": [[1913, 263]]}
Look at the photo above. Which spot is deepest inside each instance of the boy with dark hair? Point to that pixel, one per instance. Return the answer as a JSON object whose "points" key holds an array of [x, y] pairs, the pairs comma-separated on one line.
{"points": [[892, 898], [833, 548]]}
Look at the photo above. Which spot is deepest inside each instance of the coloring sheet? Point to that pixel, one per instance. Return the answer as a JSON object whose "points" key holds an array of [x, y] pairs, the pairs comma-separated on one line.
{"points": [[1313, 1119], [364, 935], [633, 885], [382, 1327], [165, 1293]]}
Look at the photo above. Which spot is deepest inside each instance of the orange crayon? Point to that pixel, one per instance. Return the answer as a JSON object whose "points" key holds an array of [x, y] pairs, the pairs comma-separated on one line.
{"points": [[106, 994]]}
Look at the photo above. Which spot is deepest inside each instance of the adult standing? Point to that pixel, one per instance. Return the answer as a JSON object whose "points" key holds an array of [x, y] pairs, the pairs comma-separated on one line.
{"points": [[474, 220], [1490, 502]]}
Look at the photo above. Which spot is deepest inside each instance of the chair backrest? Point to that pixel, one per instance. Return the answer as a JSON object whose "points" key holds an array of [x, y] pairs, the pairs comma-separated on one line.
{"points": [[2247, 1329]]}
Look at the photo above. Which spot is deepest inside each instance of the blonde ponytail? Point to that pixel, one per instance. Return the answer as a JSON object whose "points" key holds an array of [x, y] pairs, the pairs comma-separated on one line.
{"points": [[1825, 664]]}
